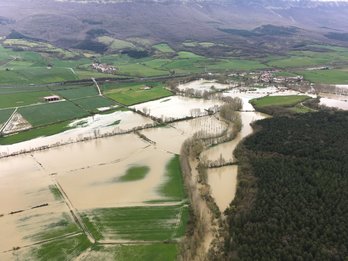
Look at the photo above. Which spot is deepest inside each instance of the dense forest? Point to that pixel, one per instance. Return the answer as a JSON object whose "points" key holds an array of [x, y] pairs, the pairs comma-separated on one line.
{"points": [[292, 197]]}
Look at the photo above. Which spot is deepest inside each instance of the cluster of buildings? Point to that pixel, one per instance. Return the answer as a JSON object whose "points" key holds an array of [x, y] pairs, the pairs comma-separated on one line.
{"points": [[268, 77], [104, 68]]}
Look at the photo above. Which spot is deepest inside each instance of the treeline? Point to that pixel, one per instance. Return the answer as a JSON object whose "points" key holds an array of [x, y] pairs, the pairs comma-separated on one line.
{"points": [[292, 196]]}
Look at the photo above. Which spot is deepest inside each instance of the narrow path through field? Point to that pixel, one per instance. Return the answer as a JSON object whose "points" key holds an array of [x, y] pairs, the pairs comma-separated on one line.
{"points": [[97, 85]]}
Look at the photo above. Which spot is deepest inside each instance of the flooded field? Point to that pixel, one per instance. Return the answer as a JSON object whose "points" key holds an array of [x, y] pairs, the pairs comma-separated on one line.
{"points": [[99, 124], [171, 137], [177, 107], [334, 100], [76, 191], [225, 150], [203, 86]]}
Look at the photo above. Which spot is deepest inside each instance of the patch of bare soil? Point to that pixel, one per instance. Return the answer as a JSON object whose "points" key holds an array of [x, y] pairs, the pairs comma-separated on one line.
{"points": [[17, 123]]}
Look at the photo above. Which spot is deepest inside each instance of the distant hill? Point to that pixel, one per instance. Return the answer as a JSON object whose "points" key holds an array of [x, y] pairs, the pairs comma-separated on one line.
{"points": [[70, 22]]}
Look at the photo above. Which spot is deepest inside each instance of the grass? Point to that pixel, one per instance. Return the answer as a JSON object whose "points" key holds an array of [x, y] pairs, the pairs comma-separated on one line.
{"points": [[61, 250], [134, 93], [5, 115], [326, 76], [45, 114], [134, 173], [93, 103], [76, 93], [164, 48], [38, 75], [140, 70], [299, 108], [35, 133], [137, 223], [22, 98], [173, 187], [235, 64], [115, 44], [150, 252], [287, 101]]}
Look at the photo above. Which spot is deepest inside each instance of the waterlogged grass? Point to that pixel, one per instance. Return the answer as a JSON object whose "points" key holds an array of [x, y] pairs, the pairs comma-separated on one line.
{"points": [[61, 250], [137, 223], [286, 101], [173, 187], [151, 252], [55, 192], [136, 93], [45, 114], [35, 133], [93, 103], [134, 173]]}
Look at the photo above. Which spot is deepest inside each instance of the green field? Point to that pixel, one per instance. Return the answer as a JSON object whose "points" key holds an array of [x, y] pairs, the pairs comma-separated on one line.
{"points": [[93, 103], [137, 223], [326, 76], [133, 93], [61, 250], [45, 114], [286, 101], [172, 188], [5, 115], [115, 44], [164, 48], [35, 133], [134, 173], [151, 252], [77, 92], [22, 99]]}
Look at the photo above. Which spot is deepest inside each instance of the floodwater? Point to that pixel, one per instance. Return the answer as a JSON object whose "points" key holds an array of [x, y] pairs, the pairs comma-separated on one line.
{"points": [[171, 137], [223, 181], [88, 172], [98, 186], [203, 85], [24, 185], [225, 150], [334, 100], [177, 107], [223, 185], [116, 122]]}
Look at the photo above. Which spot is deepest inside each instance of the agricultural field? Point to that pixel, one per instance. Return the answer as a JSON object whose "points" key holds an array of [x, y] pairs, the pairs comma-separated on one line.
{"points": [[22, 99], [5, 115], [75, 92], [115, 44], [92, 104], [133, 93], [147, 252], [332, 76], [30, 134], [164, 48], [302, 59], [158, 223], [279, 100], [45, 114]]}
